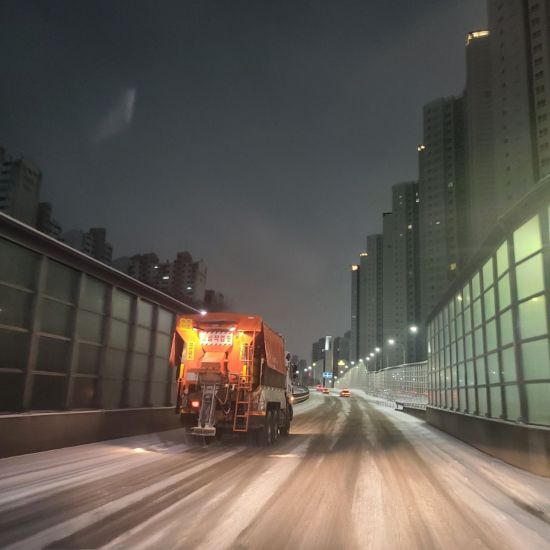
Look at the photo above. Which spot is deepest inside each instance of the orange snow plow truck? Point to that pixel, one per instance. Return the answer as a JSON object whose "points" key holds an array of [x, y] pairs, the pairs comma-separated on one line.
{"points": [[232, 376]]}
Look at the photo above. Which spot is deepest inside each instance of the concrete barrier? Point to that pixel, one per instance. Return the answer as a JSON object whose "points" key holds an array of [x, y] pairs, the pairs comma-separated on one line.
{"points": [[32, 432], [527, 447]]}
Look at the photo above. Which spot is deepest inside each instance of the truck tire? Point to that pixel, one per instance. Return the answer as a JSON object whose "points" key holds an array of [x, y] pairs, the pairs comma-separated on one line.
{"points": [[265, 433], [275, 425], [283, 430]]}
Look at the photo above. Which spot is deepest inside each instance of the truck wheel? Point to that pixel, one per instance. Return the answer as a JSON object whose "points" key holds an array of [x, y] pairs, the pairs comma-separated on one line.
{"points": [[265, 433], [275, 426], [283, 430]]}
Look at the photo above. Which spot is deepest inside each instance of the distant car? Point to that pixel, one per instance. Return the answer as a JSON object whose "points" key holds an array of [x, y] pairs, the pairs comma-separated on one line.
{"points": [[345, 393], [326, 391], [319, 387]]}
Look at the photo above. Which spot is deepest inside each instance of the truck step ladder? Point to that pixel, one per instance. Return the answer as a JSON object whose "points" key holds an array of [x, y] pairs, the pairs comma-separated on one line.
{"points": [[244, 389]]}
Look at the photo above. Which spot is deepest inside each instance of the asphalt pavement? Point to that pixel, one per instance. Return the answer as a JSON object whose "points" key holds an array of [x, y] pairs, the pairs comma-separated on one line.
{"points": [[351, 474]]}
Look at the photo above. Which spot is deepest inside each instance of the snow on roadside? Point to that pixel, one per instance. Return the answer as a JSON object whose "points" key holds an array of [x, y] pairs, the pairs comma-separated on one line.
{"points": [[24, 479], [314, 401], [66, 528], [514, 501]]}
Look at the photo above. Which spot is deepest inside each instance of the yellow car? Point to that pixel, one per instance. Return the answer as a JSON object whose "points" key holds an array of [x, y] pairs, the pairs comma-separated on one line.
{"points": [[326, 391], [345, 393]]}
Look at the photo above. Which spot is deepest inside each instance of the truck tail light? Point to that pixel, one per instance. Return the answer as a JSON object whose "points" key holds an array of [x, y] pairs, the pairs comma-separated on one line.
{"points": [[195, 404]]}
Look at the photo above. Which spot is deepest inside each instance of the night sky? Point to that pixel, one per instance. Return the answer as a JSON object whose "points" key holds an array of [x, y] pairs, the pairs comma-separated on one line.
{"points": [[262, 136]]}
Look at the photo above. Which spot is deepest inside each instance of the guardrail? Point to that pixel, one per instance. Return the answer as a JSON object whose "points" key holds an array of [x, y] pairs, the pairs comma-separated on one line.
{"points": [[404, 384], [300, 393]]}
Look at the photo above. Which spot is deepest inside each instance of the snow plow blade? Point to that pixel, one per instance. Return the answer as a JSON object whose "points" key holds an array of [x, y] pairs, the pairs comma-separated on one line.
{"points": [[205, 432]]}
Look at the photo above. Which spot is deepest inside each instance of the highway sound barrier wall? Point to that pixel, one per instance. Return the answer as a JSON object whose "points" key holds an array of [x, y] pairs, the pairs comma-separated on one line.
{"points": [[75, 333], [406, 384]]}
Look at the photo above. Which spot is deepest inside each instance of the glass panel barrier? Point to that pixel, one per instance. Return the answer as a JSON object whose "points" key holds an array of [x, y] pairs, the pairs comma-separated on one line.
{"points": [[122, 304], [488, 274], [506, 332], [535, 359], [502, 258], [538, 397], [15, 307], [504, 299], [513, 410], [532, 317], [93, 297], [496, 401], [509, 365], [527, 239], [61, 282], [530, 277], [19, 266], [489, 303], [56, 318]]}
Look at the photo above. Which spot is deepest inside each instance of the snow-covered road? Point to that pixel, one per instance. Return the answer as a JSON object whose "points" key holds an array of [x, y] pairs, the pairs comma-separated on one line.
{"points": [[350, 475]]}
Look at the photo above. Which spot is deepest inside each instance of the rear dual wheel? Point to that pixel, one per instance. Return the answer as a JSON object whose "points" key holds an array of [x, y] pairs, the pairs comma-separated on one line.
{"points": [[275, 426], [267, 431], [283, 430]]}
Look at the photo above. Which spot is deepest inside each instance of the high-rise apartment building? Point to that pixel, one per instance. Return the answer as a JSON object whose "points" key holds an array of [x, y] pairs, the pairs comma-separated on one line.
{"points": [[442, 214], [45, 222], [19, 188], [519, 37], [388, 260], [401, 266], [513, 124], [539, 41], [189, 278], [318, 350], [144, 267], [101, 249], [363, 306], [79, 240], [93, 243], [481, 209], [354, 335], [183, 278], [214, 300], [341, 349], [370, 297]]}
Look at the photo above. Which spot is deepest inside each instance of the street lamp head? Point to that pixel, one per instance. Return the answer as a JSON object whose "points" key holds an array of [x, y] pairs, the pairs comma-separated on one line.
{"points": [[377, 350], [371, 354], [413, 329], [353, 362], [391, 341]]}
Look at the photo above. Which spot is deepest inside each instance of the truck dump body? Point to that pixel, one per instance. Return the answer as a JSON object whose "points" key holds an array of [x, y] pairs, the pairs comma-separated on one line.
{"points": [[220, 341], [234, 365]]}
